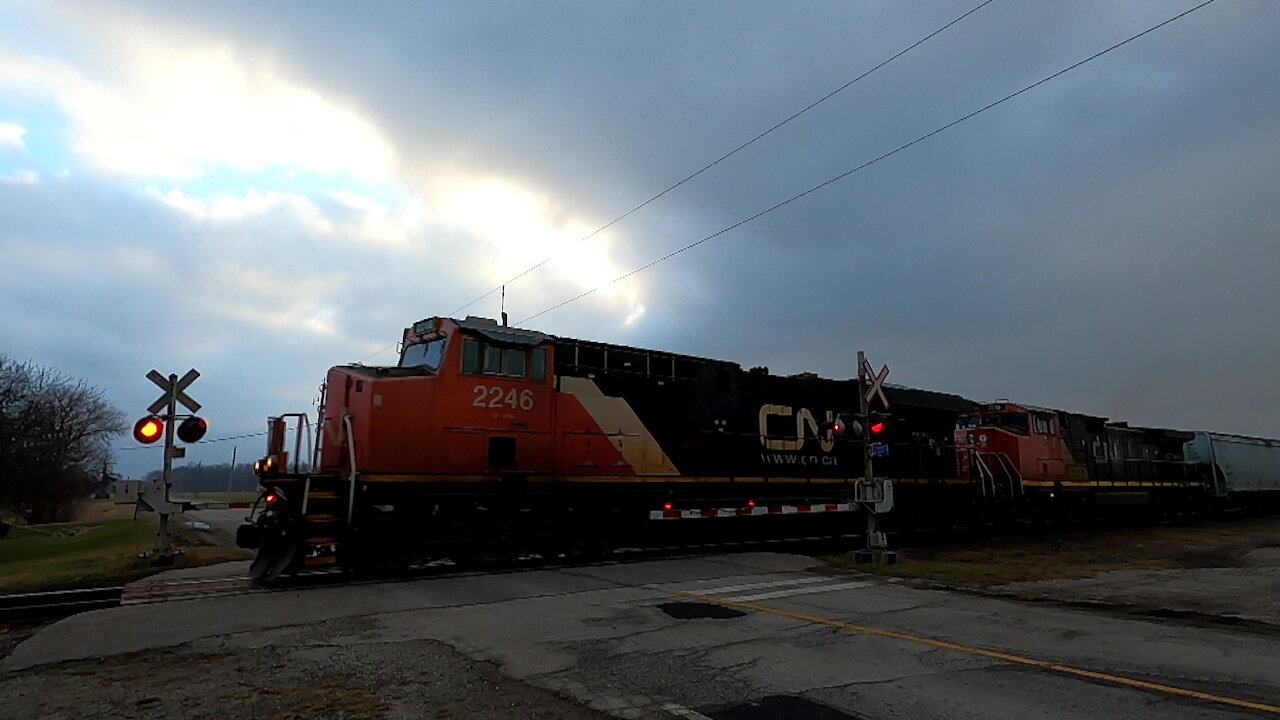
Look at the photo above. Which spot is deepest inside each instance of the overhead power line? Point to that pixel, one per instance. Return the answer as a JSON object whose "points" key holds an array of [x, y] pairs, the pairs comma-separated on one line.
{"points": [[731, 153], [711, 164], [202, 442], [870, 162]]}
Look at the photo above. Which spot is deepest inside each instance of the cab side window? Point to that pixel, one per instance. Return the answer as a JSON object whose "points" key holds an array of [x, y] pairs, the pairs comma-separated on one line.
{"points": [[539, 365], [1043, 424], [482, 358]]}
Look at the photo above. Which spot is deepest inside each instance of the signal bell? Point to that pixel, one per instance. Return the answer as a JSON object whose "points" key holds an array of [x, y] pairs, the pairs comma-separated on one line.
{"points": [[192, 429], [148, 430]]}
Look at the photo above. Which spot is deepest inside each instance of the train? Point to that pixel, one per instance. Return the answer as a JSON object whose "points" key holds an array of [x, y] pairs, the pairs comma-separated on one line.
{"points": [[489, 440]]}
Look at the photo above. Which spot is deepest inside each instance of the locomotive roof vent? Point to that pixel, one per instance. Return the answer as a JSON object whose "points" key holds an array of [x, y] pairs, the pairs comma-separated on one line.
{"points": [[476, 320]]}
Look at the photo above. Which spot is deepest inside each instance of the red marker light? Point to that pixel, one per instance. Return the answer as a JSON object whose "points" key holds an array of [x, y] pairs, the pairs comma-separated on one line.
{"points": [[667, 506], [270, 498], [751, 503]]}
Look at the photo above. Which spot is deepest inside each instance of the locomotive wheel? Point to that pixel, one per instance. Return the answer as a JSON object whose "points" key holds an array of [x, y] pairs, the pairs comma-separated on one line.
{"points": [[275, 557]]}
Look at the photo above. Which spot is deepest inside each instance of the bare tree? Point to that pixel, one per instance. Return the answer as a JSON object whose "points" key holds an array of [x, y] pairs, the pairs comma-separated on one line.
{"points": [[54, 439]]}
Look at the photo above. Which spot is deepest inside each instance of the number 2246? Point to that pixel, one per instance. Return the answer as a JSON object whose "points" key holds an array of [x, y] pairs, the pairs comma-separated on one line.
{"points": [[492, 396]]}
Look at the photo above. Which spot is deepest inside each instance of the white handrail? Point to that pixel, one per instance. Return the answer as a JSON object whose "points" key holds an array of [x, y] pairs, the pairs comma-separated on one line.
{"points": [[351, 454], [983, 473]]}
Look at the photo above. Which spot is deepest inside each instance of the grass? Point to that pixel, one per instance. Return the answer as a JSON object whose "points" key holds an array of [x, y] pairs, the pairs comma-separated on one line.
{"points": [[1080, 553], [88, 554]]}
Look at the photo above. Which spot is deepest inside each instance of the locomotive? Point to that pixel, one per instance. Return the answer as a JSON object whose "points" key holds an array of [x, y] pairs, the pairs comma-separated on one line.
{"points": [[488, 440]]}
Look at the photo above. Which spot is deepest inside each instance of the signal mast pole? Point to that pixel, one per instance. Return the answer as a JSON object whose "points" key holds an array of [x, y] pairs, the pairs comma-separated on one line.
{"points": [[164, 548], [868, 474]]}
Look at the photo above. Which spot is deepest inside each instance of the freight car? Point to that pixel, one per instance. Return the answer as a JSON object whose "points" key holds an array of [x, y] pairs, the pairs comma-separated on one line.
{"points": [[492, 439], [1237, 468]]}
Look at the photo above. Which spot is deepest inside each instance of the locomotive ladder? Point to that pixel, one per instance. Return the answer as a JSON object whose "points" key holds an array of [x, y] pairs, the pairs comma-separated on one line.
{"points": [[324, 519], [327, 505]]}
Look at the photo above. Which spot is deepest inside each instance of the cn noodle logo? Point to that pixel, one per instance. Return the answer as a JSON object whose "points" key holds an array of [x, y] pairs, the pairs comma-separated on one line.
{"points": [[796, 426]]}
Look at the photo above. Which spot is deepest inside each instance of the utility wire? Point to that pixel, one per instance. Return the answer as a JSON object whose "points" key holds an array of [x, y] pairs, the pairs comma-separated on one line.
{"points": [[712, 164], [731, 153], [869, 163], [202, 442]]}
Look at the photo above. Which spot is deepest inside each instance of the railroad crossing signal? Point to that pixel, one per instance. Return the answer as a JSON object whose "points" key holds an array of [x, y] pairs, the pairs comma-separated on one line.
{"points": [[148, 430], [162, 419], [175, 390], [876, 380]]}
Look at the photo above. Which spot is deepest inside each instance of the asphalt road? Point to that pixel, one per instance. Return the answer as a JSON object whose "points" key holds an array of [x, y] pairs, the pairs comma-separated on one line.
{"points": [[224, 521], [738, 637]]}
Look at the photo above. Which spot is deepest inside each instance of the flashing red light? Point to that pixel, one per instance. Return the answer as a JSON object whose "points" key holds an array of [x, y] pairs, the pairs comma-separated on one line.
{"points": [[271, 498], [148, 430], [667, 506], [877, 428], [192, 429]]}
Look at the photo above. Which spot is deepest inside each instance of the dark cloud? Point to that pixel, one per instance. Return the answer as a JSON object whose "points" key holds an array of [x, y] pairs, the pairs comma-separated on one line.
{"points": [[1104, 243]]}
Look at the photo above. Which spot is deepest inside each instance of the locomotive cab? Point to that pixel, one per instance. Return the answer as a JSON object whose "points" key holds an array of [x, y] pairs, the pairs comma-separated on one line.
{"points": [[461, 390], [1012, 447]]}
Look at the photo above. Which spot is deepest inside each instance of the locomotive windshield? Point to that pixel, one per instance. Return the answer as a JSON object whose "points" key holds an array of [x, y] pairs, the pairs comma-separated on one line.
{"points": [[1015, 421], [426, 355]]}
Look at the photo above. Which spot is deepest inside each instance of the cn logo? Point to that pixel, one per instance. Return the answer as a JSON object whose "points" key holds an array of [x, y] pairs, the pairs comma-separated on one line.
{"points": [[805, 426]]}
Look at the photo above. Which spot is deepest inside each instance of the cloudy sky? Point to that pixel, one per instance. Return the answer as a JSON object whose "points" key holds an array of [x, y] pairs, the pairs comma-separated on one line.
{"points": [[263, 190]]}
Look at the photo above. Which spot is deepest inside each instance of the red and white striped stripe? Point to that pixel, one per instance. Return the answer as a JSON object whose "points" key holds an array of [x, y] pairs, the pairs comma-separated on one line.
{"points": [[751, 511]]}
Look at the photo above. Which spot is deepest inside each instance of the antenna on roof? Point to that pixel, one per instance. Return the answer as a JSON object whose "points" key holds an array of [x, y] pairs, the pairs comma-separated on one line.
{"points": [[503, 307]]}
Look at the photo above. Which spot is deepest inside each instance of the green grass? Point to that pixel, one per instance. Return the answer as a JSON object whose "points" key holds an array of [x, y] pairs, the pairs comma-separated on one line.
{"points": [[73, 554], [89, 554]]}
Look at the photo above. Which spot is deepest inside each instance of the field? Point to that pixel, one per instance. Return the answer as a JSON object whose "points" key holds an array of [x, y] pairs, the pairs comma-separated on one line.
{"points": [[1085, 552], [103, 550]]}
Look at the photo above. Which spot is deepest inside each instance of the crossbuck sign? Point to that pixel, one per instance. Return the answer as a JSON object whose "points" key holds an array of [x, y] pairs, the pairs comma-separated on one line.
{"points": [[176, 390], [875, 383]]}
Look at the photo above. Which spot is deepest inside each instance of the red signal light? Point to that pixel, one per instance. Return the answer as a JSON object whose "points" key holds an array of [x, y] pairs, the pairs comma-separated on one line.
{"points": [[192, 429], [877, 428], [667, 506], [271, 498], [148, 430], [751, 503]]}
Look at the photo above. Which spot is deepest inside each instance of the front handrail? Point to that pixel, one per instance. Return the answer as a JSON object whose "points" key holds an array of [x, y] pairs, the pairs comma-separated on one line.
{"points": [[351, 455], [303, 422]]}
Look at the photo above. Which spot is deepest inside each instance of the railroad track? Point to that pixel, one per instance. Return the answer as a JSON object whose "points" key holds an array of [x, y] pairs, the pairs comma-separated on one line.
{"points": [[25, 607], [158, 590], [57, 604]]}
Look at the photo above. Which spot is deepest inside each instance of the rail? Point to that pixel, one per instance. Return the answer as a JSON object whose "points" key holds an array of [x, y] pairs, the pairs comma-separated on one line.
{"points": [[58, 603]]}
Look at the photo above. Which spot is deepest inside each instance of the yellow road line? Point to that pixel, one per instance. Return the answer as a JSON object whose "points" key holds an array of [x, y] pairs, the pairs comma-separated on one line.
{"points": [[993, 654]]}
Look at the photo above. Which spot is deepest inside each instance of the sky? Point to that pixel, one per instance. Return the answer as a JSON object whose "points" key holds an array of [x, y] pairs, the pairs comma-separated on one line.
{"points": [[264, 190]]}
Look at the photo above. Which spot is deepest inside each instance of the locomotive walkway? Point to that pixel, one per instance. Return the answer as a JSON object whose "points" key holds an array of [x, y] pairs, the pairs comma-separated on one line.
{"points": [[725, 637]]}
